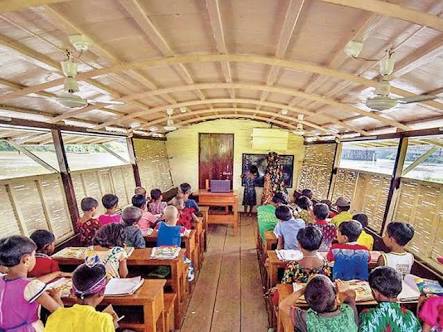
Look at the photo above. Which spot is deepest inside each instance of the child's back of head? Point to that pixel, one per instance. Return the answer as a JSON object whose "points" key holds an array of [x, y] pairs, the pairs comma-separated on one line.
{"points": [[44, 240], [156, 194], [185, 188], [400, 232], [283, 213], [385, 282], [140, 191], [320, 294], [131, 215], [110, 235], [109, 201], [361, 218], [14, 248], [139, 201], [88, 204], [321, 211], [171, 215], [309, 238], [350, 231], [304, 202], [279, 199], [89, 280], [308, 193]]}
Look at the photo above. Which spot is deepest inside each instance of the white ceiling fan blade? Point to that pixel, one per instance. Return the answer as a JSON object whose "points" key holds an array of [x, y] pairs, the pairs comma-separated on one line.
{"points": [[416, 99]]}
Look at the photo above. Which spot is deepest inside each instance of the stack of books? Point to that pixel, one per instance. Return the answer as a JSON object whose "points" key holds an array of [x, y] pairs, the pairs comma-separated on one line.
{"points": [[289, 255], [165, 252]]}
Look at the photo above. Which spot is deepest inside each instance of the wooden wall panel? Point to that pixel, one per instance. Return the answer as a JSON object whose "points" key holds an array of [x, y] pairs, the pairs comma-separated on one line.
{"points": [[316, 169], [419, 203], [153, 164], [92, 185]]}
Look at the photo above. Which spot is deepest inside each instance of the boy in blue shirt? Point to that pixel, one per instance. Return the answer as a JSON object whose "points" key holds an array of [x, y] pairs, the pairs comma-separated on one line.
{"points": [[287, 228], [168, 231]]}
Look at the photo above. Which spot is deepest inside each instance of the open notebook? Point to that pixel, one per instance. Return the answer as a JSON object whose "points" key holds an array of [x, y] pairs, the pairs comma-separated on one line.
{"points": [[81, 252], [123, 286], [165, 252], [289, 255]]}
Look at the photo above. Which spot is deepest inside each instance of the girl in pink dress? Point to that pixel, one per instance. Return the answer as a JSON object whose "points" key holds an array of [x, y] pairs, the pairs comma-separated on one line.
{"points": [[110, 202], [156, 206], [20, 297]]}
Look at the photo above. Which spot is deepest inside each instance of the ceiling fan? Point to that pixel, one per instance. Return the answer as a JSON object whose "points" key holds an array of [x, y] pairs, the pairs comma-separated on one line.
{"points": [[170, 122], [299, 129], [68, 98]]}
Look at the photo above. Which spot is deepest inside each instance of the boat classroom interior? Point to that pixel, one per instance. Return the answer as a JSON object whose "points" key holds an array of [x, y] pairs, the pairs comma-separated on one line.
{"points": [[232, 109]]}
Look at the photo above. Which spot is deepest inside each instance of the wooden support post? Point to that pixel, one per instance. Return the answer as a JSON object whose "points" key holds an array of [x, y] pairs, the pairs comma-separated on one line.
{"points": [[133, 159], [65, 175], [336, 163], [395, 182]]}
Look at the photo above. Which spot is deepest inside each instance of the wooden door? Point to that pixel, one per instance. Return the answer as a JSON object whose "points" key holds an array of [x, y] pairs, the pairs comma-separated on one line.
{"points": [[216, 158]]}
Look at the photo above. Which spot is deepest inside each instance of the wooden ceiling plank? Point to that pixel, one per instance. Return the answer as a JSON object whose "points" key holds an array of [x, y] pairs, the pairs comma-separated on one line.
{"points": [[237, 100], [395, 11], [215, 20], [17, 5], [137, 12], [292, 17]]}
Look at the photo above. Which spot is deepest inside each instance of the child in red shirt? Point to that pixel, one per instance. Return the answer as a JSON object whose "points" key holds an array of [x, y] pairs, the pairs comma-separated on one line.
{"points": [[186, 215], [44, 264]]}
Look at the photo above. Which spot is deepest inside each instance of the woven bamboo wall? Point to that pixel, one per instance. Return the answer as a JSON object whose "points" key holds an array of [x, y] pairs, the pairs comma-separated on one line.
{"points": [[316, 169], [419, 203], [153, 164], [368, 193]]}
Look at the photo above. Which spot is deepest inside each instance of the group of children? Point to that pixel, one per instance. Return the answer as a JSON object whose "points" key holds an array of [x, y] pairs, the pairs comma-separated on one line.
{"points": [[29, 266], [313, 229]]}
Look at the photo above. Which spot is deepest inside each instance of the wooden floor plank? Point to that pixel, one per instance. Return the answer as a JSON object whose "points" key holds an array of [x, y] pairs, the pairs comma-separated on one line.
{"points": [[201, 306], [253, 310]]}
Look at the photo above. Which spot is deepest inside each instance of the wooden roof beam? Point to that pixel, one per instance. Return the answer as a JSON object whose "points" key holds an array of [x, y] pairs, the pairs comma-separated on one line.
{"points": [[137, 12], [395, 11], [292, 17], [16, 5], [215, 20]]}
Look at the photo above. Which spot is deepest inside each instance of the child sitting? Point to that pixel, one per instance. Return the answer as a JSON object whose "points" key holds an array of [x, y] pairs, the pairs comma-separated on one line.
{"points": [[21, 297], [312, 263], [44, 264], [140, 191], [364, 239], [131, 215], [88, 285], [168, 231], [185, 189], [350, 259], [266, 218], [431, 313], [397, 235], [287, 228], [321, 213], [386, 285], [109, 245], [87, 225], [304, 209], [331, 308], [110, 202], [308, 193], [332, 213], [147, 219], [156, 206], [186, 216], [343, 206]]}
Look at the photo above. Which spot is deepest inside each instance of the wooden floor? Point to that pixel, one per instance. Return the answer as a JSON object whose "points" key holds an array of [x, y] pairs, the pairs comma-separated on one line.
{"points": [[228, 294]]}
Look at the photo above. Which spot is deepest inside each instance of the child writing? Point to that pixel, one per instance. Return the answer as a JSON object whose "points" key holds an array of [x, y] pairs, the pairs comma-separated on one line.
{"points": [[386, 285], [312, 263], [343, 206], [351, 260], [249, 194], [321, 213], [185, 189], [109, 245], [88, 285], [156, 206], [304, 209], [331, 307], [397, 236], [364, 239], [147, 219], [110, 202], [87, 225], [131, 215], [44, 264], [21, 297], [287, 228], [186, 216]]}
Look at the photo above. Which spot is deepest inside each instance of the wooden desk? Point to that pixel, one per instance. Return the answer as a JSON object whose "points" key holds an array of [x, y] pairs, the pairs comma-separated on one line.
{"points": [[149, 298], [227, 200], [274, 264], [270, 241], [189, 243], [142, 258], [205, 214]]}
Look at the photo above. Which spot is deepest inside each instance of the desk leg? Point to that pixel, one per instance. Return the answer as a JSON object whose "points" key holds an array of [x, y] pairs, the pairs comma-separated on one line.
{"points": [[235, 211], [176, 272], [150, 323]]}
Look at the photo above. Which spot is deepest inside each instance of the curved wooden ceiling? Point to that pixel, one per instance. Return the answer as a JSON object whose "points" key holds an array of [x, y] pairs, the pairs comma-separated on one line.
{"points": [[223, 58]]}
